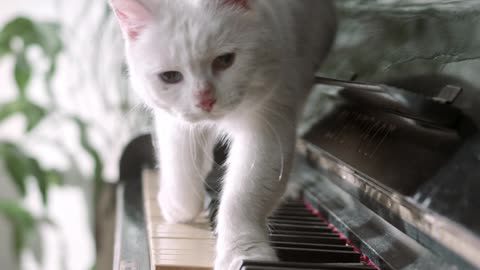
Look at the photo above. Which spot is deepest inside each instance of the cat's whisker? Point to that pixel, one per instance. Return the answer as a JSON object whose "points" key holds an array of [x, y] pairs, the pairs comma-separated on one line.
{"points": [[279, 116], [254, 161], [209, 158], [279, 142], [207, 152], [193, 154]]}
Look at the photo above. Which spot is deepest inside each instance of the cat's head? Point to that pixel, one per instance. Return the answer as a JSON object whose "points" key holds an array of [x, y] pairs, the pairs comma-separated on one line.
{"points": [[197, 59]]}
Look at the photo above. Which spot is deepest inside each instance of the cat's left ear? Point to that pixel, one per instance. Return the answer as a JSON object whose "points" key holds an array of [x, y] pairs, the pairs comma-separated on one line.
{"points": [[132, 16]]}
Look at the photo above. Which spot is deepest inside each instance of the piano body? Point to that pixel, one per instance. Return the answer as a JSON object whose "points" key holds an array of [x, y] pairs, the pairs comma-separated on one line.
{"points": [[390, 180]]}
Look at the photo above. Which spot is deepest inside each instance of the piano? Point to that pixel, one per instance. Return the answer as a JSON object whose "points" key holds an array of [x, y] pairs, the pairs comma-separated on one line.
{"points": [[389, 177]]}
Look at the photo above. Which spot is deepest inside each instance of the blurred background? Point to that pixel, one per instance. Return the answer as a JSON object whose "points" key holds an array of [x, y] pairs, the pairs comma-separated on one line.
{"points": [[65, 115], [66, 111]]}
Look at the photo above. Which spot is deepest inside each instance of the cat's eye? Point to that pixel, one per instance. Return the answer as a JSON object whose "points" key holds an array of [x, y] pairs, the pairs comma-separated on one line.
{"points": [[171, 77], [223, 62]]}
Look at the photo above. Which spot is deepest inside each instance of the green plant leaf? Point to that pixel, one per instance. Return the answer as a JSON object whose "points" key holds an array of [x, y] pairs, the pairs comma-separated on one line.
{"points": [[98, 164], [20, 27], [54, 178], [4, 48], [16, 165], [22, 73], [41, 177], [9, 109], [23, 223], [20, 166], [34, 114], [49, 38], [46, 35], [48, 82]]}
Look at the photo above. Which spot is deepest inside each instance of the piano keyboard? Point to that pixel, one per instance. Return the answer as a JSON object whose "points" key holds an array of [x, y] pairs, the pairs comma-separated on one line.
{"points": [[301, 239]]}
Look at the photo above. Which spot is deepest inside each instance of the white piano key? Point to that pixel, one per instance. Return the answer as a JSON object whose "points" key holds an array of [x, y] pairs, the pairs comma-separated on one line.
{"points": [[182, 231], [205, 259], [176, 246], [182, 244], [182, 265], [202, 219], [206, 252], [181, 236]]}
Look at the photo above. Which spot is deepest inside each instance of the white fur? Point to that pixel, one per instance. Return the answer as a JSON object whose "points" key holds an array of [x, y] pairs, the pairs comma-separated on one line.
{"points": [[278, 46]]}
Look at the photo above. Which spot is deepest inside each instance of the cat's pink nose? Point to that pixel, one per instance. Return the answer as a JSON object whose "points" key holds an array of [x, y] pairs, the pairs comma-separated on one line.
{"points": [[205, 99], [207, 104]]}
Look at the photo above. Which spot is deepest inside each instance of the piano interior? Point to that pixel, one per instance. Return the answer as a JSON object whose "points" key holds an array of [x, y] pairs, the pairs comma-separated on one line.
{"points": [[389, 177]]}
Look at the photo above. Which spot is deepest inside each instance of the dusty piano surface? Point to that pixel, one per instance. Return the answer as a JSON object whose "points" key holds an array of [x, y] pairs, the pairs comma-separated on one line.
{"points": [[388, 176]]}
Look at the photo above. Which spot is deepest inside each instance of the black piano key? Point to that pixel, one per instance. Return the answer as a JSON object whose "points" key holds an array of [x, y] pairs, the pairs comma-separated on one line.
{"points": [[296, 268], [317, 256], [292, 208], [311, 246], [260, 265], [290, 211], [253, 267], [316, 222], [302, 228], [303, 241], [307, 234], [286, 220], [293, 214], [307, 239], [297, 218]]}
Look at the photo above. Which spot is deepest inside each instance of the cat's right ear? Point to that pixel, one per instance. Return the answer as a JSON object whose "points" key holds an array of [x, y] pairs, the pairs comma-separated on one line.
{"points": [[132, 16]]}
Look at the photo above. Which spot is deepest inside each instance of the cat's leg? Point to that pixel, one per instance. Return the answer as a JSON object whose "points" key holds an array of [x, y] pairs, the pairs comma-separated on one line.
{"points": [[259, 164], [185, 157]]}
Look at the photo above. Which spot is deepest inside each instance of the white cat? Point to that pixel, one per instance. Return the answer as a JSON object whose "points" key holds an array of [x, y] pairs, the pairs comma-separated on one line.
{"points": [[234, 69]]}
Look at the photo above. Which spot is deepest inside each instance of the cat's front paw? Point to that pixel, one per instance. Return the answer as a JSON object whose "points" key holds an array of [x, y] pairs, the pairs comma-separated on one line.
{"points": [[177, 211], [231, 259]]}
